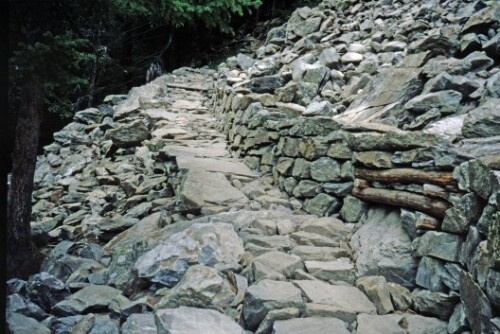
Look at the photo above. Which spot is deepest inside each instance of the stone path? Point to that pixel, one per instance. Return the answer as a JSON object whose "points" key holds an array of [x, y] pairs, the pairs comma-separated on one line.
{"points": [[167, 233], [150, 225]]}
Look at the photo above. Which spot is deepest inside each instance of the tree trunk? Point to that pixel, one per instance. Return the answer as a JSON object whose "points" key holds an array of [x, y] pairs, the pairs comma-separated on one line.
{"points": [[23, 258]]}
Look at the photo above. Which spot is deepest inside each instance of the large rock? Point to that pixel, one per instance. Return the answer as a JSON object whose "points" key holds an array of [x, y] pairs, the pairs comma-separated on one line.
{"points": [[140, 324], [202, 189], [18, 304], [458, 320], [377, 290], [444, 81], [88, 116], [132, 103], [268, 295], [330, 227], [131, 134], [208, 244], [346, 299], [484, 121], [129, 245], [383, 247], [465, 211], [21, 324], [212, 164], [92, 298], [445, 246], [447, 101], [430, 274], [353, 209], [435, 303], [315, 74], [338, 270], [477, 306], [300, 27], [388, 89], [103, 324], [325, 169], [201, 286], [312, 253], [275, 265], [329, 57], [493, 288], [322, 205], [187, 320], [266, 325], [47, 290], [486, 17], [474, 176], [399, 324], [323, 108], [265, 84], [310, 326]]}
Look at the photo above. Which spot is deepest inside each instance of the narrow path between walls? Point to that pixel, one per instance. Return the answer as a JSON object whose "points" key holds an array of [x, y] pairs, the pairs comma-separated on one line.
{"points": [[150, 226]]}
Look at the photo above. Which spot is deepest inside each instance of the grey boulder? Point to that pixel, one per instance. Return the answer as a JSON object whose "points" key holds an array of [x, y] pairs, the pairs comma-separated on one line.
{"points": [[188, 320]]}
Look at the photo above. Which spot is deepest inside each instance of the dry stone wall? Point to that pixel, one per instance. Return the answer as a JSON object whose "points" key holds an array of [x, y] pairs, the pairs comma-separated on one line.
{"points": [[348, 114], [448, 201], [380, 115]]}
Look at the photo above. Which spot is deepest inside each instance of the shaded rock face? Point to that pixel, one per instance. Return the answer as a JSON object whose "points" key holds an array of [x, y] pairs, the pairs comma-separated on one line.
{"points": [[342, 177], [383, 247], [208, 244], [192, 320], [484, 121]]}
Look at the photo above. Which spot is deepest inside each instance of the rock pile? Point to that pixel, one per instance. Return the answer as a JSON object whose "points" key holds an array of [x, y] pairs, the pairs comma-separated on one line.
{"points": [[369, 201]]}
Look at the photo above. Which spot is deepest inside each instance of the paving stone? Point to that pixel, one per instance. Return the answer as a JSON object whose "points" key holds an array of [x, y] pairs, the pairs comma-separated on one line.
{"points": [[189, 320], [268, 295], [347, 298], [309, 326]]}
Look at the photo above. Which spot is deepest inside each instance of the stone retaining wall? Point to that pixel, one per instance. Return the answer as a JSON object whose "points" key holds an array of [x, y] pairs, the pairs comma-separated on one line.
{"points": [[446, 207]]}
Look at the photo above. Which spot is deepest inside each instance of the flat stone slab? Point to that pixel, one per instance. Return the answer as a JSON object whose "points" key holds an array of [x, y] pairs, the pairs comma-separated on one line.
{"points": [[346, 298], [161, 114], [189, 105], [310, 326], [338, 270], [268, 295], [227, 166], [383, 92], [203, 189], [169, 133], [204, 149], [188, 320], [392, 324]]}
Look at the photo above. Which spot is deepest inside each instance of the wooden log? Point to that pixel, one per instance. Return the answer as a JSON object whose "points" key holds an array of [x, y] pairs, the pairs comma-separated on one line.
{"points": [[406, 175], [430, 206]]}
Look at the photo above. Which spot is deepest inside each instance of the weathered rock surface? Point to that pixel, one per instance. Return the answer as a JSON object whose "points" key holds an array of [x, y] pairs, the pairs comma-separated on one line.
{"points": [[193, 321], [310, 326], [348, 299], [399, 324], [192, 190], [207, 244], [383, 247], [268, 295]]}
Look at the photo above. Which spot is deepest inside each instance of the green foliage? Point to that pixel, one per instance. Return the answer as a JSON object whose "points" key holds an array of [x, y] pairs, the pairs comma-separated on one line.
{"points": [[213, 14], [58, 62], [82, 49]]}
